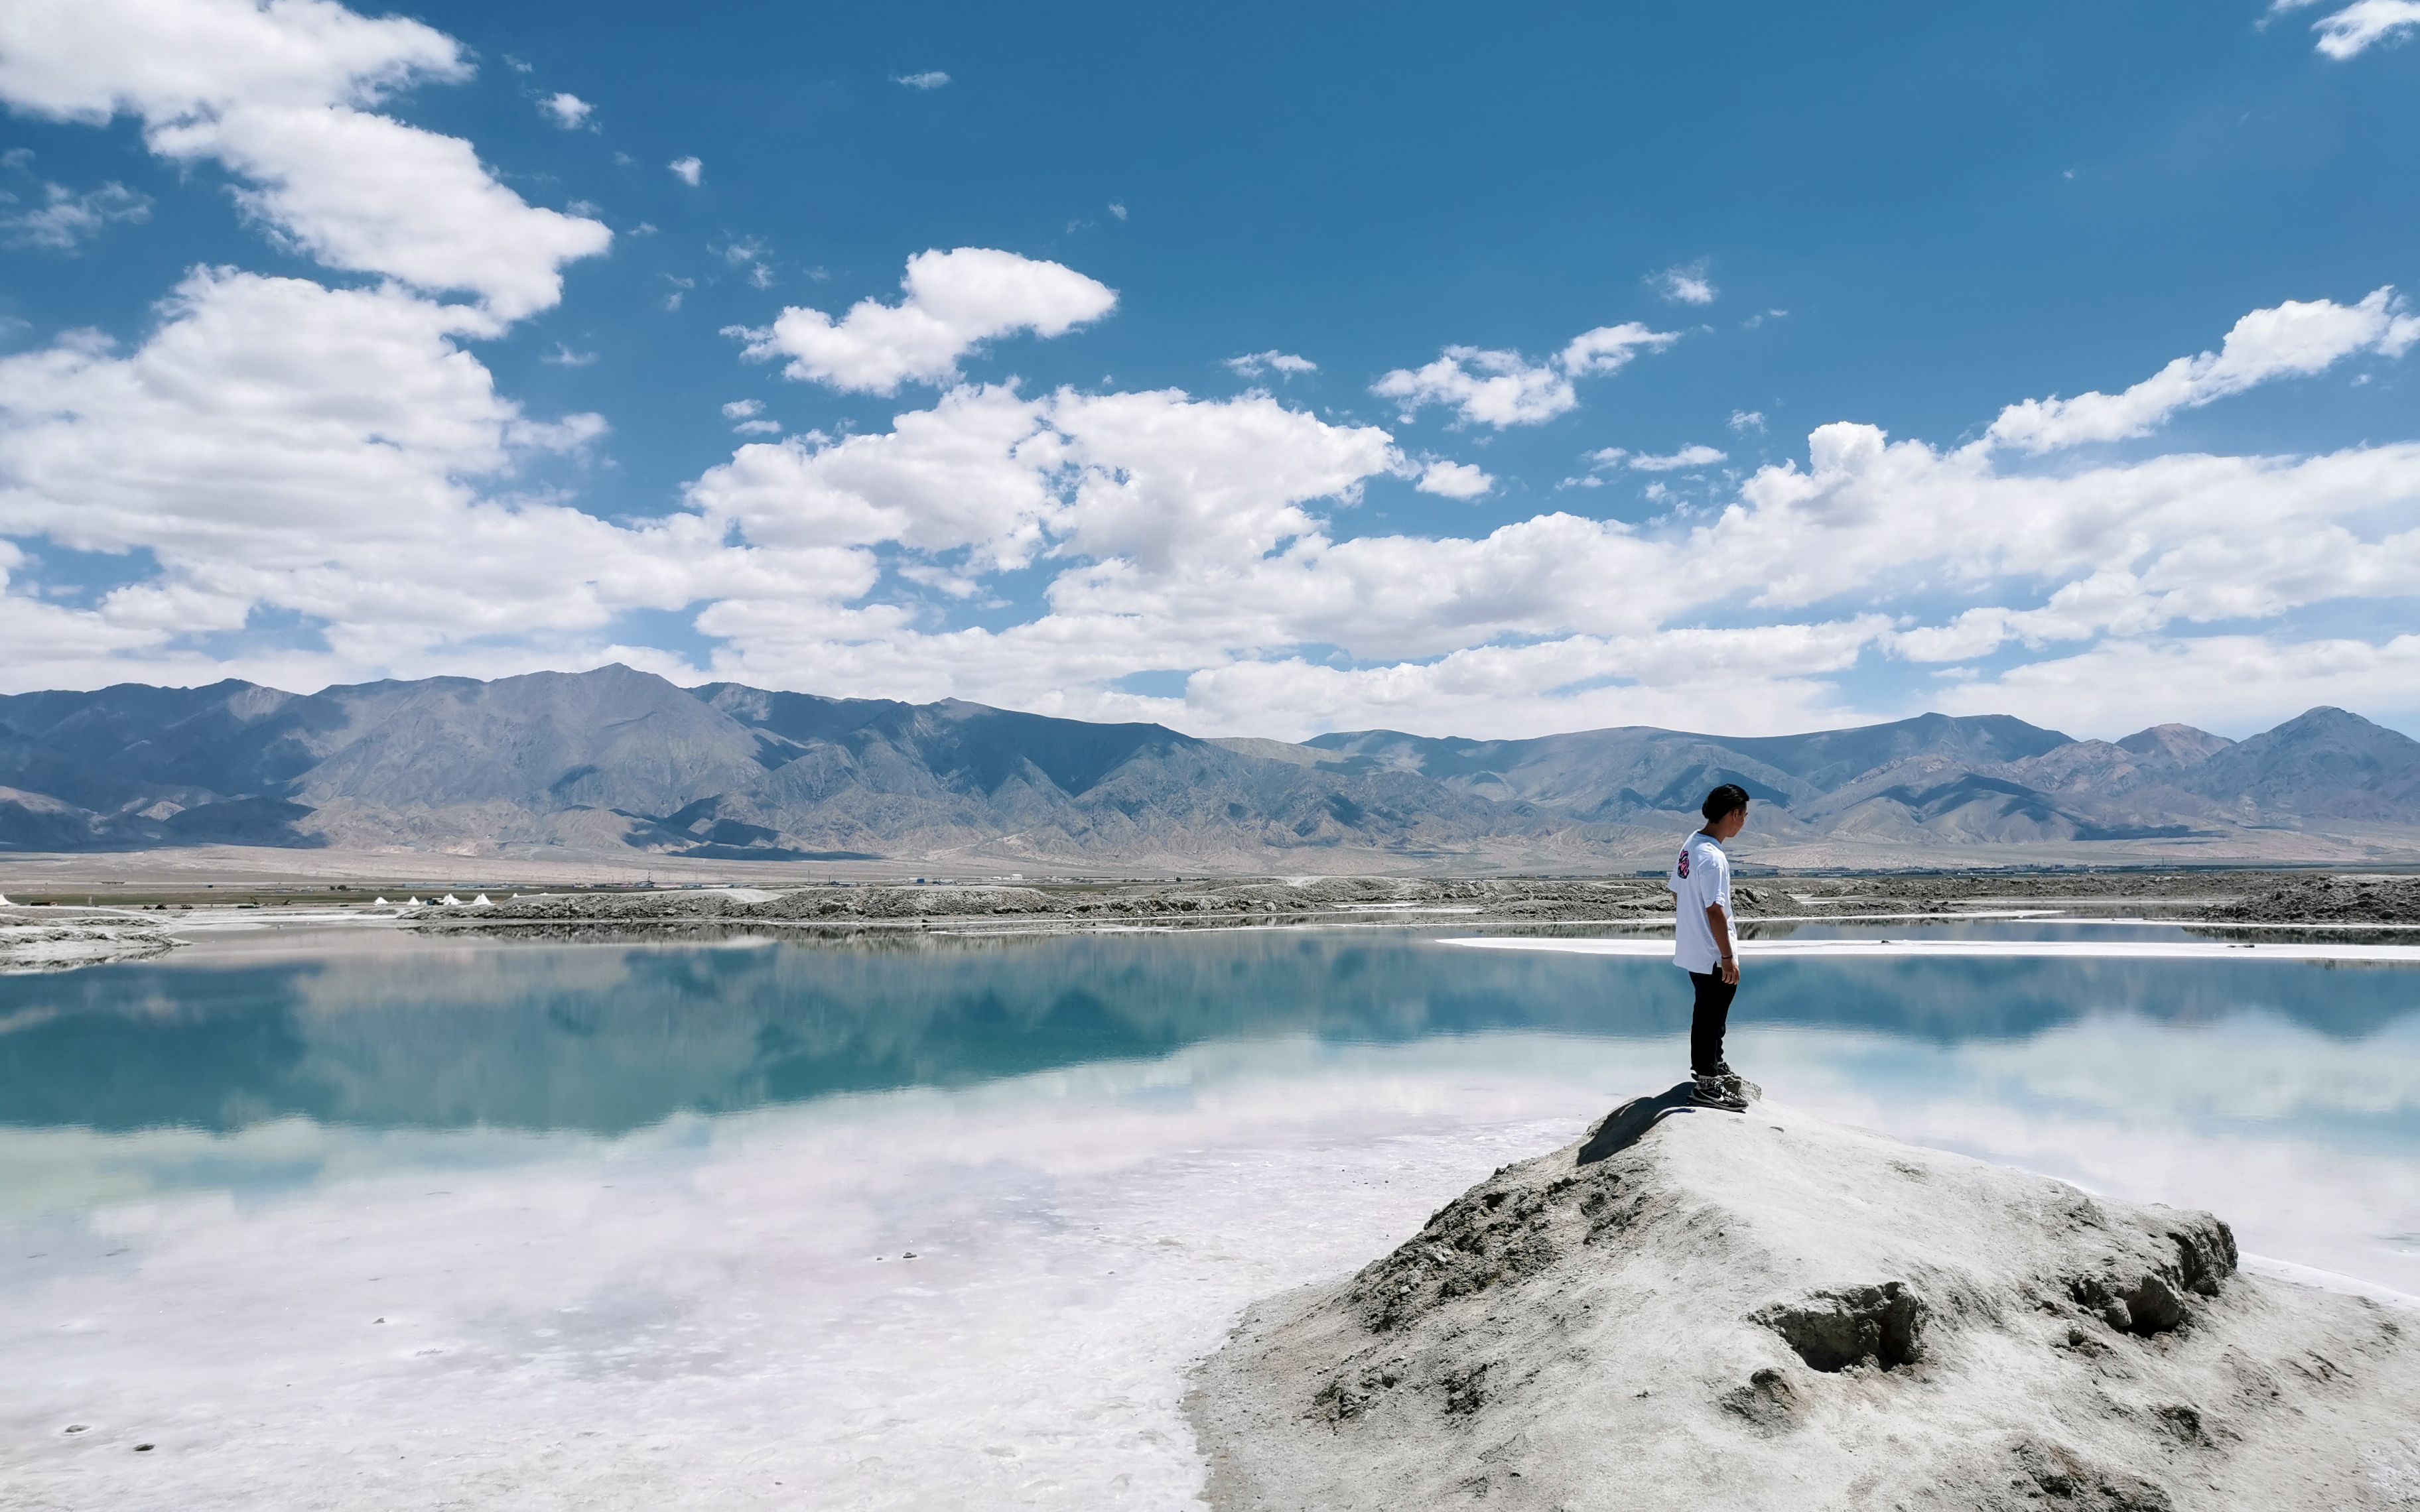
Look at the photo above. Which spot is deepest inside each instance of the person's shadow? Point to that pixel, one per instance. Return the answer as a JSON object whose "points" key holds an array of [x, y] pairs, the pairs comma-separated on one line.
{"points": [[1627, 1124]]}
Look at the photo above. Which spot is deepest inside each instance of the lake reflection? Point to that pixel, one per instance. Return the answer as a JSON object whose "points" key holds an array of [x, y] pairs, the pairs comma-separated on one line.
{"points": [[609, 1039], [577, 1226]]}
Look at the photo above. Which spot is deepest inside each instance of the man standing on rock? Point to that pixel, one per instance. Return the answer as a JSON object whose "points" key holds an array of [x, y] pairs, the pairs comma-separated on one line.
{"points": [[1704, 943]]}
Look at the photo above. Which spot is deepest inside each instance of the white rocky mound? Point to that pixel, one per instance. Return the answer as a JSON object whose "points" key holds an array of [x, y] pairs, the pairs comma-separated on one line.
{"points": [[1695, 1309]]}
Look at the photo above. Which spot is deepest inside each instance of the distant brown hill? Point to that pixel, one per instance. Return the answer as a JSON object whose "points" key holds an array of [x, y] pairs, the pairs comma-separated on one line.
{"points": [[615, 761]]}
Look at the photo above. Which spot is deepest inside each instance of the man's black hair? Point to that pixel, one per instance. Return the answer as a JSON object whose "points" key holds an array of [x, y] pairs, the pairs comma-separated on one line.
{"points": [[1728, 799]]}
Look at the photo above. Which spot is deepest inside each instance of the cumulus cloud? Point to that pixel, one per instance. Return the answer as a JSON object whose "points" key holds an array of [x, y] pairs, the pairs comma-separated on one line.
{"points": [[954, 302], [1743, 421], [2355, 28], [1191, 537], [1684, 283], [63, 220], [1499, 388], [1455, 480], [567, 111], [2228, 682], [1253, 364], [326, 452], [688, 171], [283, 96], [975, 471], [748, 418], [929, 79], [1484, 387], [2291, 340], [342, 457], [1687, 458]]}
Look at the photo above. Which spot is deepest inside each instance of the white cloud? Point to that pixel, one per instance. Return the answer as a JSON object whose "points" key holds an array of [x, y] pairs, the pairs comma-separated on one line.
{"points": [[65, 219], [1504, 387], [2291, 340], [1767, 678], [1743, 421], [747, 417], [930, 79], [1484, 387], [2357, 27], [90, 59], [1684, 283], [973, 471], [1611, 348], [282, 95], [339, 455], [1118, 209], [567, 111], [1172, 485], [1253, 364], [688, 171], [2228, 682], [1455, 480], [563, 356], [1687, 459], [1189, 542], [749, 252], [955, 300], [325, 451]]}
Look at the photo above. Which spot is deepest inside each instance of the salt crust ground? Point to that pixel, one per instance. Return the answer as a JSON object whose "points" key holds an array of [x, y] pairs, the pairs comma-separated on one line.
{"points": [[1767, 1310], [83, 942]]}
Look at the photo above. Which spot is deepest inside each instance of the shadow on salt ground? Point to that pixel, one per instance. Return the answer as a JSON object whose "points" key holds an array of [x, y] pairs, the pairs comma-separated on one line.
{"points": [[1628, 1124]]}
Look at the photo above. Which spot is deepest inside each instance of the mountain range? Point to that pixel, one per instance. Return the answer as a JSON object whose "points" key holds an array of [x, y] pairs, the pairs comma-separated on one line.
{"points": [[622, 761]]}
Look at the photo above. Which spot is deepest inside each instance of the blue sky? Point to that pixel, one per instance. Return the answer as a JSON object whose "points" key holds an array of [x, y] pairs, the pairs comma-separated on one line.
{"points": [[342, 345]]}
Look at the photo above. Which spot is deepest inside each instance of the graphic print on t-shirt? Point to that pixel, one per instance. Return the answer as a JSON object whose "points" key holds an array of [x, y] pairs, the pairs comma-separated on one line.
{"points": [[1699, 879]]}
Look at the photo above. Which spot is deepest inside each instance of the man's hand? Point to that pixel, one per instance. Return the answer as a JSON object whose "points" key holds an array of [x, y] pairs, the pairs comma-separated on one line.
{"points": [[1718, 923], [1729, 970]]}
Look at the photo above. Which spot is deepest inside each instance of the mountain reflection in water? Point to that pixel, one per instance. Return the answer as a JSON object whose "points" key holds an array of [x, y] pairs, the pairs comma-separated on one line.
{"points": [[608, 1038]]}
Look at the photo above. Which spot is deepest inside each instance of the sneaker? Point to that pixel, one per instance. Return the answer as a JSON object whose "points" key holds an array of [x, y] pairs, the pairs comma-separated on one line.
{"points": [[1717, 1092]]}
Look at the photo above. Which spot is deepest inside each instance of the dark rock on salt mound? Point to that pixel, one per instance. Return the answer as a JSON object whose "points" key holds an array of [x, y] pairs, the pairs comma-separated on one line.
{"points": [[1701, 1309], [1865, 1325]]}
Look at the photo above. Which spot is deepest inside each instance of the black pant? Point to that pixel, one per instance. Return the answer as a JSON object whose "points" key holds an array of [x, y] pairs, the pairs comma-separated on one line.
{"points": [[1707, 1019]]}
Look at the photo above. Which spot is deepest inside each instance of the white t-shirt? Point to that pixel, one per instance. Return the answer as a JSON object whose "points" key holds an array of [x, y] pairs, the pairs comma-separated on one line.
{"points": [[1699, 879]]}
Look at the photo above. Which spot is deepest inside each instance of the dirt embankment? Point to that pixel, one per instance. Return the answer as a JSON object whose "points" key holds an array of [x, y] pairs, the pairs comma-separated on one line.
{"points": [[2191, 898], [1326, 898], [2322, 898]]}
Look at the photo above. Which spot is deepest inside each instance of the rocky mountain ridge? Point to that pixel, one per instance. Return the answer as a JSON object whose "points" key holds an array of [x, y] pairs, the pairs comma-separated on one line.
{"points": [[618, 760]]}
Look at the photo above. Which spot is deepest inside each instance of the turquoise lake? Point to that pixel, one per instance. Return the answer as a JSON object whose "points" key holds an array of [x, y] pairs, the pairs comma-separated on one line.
{"points": [[372, 1218]]}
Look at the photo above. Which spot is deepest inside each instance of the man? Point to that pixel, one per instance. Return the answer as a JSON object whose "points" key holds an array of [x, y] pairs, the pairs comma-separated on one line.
{"points": [[1704, 943]]}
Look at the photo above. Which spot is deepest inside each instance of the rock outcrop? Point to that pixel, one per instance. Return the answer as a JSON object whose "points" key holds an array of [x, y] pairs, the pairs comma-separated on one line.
{"points": [[1695, 1309]]}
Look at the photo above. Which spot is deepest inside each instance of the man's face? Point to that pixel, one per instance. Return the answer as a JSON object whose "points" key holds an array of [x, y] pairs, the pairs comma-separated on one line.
{"points": [[1729, 824]]}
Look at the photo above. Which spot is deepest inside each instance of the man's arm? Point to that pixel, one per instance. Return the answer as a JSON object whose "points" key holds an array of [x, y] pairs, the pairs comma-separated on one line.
{"points": [[1719, 923]]}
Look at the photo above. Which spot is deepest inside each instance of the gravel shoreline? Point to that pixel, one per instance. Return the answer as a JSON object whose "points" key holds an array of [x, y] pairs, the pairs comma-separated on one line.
{"points": [[63, 937], [2192, 898]]}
